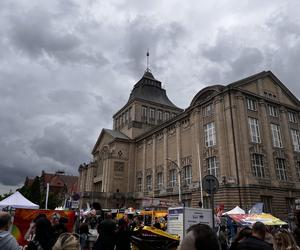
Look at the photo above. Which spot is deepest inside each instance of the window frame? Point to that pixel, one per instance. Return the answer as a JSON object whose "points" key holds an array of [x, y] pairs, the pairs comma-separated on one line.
{"points": [[210, 134], [254, 130], [257, 164], [251, 104], [295, 139], [149, 182], [276, 135], [173, 177], [187, 174], [213, 166], [281, 169]]}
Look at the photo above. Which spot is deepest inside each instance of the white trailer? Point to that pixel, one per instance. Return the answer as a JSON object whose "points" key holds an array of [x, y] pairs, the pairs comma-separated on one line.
{"points": [[181, 218]]}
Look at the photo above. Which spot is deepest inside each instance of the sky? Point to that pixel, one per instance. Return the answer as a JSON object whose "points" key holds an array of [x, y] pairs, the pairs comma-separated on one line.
{"points": [[67, 66]]}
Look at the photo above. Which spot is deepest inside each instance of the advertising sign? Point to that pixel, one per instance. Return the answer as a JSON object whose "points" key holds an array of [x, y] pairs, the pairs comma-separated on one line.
{"points": [[175, 221], [181, 218], [23, 218], [196, 215]]}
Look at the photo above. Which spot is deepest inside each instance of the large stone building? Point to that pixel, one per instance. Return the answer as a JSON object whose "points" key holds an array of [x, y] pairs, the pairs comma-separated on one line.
{"points": [[245, 133]]}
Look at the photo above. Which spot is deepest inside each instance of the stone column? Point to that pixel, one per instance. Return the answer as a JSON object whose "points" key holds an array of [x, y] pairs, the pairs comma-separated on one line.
{"points": [[178, 144], [287, 144], [144, 165], [266, 136], [154, 162], [165, 155], [221, 135]]}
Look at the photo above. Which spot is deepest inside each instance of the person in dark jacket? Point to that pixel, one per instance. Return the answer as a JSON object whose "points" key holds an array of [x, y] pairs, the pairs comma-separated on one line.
{"points": [[122, 236], [107, 231], [244, 234], [256, 240], [7, 241]]}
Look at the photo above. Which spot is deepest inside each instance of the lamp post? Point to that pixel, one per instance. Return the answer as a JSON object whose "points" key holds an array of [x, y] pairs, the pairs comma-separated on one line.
{"points": [[179, 179]]}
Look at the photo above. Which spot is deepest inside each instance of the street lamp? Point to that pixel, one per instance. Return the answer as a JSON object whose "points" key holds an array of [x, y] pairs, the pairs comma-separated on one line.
{"points": [[179, 179]]}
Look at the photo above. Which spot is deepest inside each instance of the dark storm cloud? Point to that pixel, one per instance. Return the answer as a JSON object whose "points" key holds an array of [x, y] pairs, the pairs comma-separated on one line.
{"points": [[57, 144], [14, 175], [67, 66], [38, 34], [162, 40]]}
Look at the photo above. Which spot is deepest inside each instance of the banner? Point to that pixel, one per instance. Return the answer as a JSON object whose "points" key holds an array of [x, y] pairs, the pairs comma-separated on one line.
{"points": [[23, 218], [257, 208], [250, 219]]}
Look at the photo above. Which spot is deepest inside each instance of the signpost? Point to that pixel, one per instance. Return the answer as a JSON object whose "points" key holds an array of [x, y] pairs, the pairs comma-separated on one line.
{"points": [[210, 184]]}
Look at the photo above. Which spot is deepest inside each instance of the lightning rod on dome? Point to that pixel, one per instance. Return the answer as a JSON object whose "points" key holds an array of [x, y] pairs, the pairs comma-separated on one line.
{"points": [[147, 54]]}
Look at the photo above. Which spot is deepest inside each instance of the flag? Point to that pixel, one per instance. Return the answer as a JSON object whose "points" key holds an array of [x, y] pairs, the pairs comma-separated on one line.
{"points": [[257, 208]]}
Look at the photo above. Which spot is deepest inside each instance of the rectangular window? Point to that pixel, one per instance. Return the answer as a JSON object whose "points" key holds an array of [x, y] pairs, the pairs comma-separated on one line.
{"points": [[129, 115], [276, 135], [267, 201], [173, 177], [272, 110], [254, 130], [212, 166], [210, 134], [251, 104], [290, 204], [139, 184], [152, 115], [149, 182], [159, 181], [187, 170], [292, 117], [295, 139], [144, 113], [208, 110], [159, 116], [126, 117], [258, 166], [281, 169], [167, 116]]}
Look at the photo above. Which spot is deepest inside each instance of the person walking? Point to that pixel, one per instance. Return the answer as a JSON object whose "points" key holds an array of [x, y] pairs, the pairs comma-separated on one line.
{"points": [[107, 231], [245, 233], [122, 236], [256, 240], [7, 241]]}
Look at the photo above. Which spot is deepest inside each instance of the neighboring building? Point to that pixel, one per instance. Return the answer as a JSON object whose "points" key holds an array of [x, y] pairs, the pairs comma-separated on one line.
{"points": [[245, 133], [59, 183]]}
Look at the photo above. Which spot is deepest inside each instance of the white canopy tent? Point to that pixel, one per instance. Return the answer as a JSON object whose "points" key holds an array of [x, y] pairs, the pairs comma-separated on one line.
{"points": [[236, 210], [17, 200]]}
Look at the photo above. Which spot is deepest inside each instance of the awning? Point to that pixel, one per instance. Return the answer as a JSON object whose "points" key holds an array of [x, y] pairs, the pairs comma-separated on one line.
{"points": [[250, 219]]}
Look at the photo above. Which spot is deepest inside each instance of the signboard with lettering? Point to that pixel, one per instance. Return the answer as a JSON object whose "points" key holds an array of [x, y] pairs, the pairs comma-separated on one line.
{"points": [[181, 218]]}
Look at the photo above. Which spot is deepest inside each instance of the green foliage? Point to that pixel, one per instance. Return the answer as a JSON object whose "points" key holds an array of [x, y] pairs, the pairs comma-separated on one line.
{"points": [[32, 193]]}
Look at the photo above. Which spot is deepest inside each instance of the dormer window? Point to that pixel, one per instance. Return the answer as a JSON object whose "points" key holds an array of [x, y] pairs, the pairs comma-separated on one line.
{"points": [[144, 113], [167, 116]]}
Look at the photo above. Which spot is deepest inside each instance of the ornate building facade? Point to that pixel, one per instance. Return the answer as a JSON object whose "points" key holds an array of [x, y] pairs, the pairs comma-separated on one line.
{"points": [[245, 133]]}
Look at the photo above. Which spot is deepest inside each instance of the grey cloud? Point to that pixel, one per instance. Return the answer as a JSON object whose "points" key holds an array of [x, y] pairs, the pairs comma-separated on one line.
{"points": [[162, 40], [56, 144], [14, 175], [38, 34]]}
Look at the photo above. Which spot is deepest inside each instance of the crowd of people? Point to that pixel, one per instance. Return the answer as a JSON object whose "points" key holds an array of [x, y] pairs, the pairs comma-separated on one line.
{"points": [[259, 237], [44, 234]]}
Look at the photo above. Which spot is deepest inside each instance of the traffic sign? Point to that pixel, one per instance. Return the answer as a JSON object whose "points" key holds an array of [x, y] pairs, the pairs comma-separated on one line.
{"points": [[210, 184]]}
